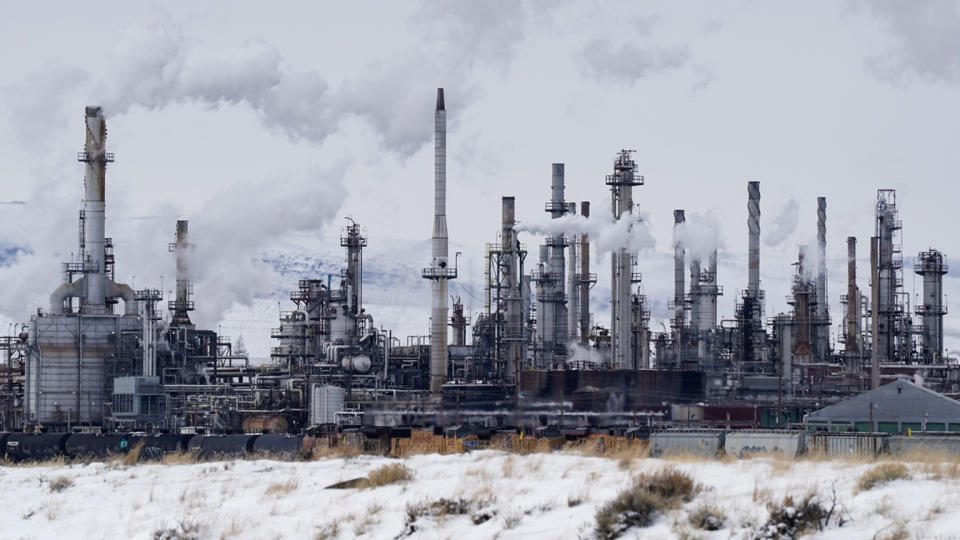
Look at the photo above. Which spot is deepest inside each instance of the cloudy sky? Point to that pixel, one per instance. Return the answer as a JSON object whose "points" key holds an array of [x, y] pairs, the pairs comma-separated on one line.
{"points": [[263, 123]]}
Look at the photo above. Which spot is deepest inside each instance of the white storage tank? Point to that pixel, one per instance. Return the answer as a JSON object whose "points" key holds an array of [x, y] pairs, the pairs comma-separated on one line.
{"points": [[325, 402]]}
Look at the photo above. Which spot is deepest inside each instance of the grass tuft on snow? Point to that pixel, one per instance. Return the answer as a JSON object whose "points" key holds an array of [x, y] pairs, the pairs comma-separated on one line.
{"points": [[881, 474], [388, 474], [639, 504]]}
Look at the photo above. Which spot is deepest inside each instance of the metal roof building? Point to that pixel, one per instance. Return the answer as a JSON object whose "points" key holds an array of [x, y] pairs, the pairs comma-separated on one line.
{"points": [[896, 407]]}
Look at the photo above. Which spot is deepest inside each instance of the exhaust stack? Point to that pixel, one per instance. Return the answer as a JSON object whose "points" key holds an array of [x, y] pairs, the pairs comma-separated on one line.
{"points": [[753, 224], [182, 304], [585, 280], [439, 271], [94, 202]]}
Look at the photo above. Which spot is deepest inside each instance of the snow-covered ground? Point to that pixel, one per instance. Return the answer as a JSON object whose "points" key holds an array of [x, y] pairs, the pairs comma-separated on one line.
{"points": [[511, 496]]}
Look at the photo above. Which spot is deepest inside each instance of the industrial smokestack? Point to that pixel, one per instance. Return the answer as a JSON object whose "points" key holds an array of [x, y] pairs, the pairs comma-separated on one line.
{"points": [[557, 209], [853, 316], [585, 281], [439, 271], [94, 202], [875, 312], [753, 225], [679, 260], [513, 337], [182, 304], [823, 329]]}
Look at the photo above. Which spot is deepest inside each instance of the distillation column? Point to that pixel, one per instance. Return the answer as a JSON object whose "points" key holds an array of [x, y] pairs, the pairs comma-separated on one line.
{"points": [[888, 267], [513, 333], [822, 347], [679, 269], [852, 330], [557, 207], [622, 277], [585, 280], [932, 266]]}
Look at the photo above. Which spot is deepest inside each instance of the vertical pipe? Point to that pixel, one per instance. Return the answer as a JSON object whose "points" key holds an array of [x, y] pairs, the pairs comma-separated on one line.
{"points": [[875, 312], [753, 226], [852, 335], [585, 279], [679, 270], [558, 208], [822, 329], [94, 203], [438, 324], [573, 286], [514, 322]]}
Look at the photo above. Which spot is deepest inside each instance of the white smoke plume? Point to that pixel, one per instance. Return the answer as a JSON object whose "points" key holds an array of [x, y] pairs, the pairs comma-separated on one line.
{"points": [[155, 66], [783, 225], [700, 235], [230, 231], [607, 234]]}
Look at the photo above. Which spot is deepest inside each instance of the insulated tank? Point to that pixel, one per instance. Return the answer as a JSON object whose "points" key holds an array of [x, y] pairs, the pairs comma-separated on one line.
{"points": [[221, 446], [154, 447], [38, 447], [95, 446], [278, 446]]}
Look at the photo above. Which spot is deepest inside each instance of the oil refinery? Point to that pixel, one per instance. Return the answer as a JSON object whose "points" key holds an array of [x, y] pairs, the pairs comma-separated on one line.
{"points": [[534, 359]]}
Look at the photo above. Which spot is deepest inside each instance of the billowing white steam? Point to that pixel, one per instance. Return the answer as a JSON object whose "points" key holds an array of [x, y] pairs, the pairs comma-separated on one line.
{"points": [[700, 235], [606, 234], [783, 224]]}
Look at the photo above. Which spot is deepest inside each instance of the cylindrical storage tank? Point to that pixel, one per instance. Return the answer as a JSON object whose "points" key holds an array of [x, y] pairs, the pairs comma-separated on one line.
{"points": [[701, 442], [222, 446], [38, 447], [357, 364], [95, 446], [278, 446], [154, 447], [266, 424], [748, 442], [325, 401]]}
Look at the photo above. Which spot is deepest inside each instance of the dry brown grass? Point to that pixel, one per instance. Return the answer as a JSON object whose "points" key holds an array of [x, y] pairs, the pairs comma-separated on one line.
{"points": [[881, 474], [941, 471], [179, 458], [707, 517], [638, 505], [133, 455], [281, 488], [60, 483], [388, 474], [324, 452]]}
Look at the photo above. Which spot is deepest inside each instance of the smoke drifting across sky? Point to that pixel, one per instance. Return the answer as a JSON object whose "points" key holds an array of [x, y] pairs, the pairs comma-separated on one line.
{"points": [[329, 105]]}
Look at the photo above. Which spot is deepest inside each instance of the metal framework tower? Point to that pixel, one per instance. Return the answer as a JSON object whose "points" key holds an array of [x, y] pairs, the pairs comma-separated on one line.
{"points": [[622, 278]]}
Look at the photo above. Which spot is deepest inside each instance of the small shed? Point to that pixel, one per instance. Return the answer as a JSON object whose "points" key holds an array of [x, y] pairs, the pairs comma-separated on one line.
{"points": [[896, 407]]}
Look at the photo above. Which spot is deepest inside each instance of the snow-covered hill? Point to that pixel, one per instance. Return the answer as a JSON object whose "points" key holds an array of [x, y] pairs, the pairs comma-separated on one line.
{"points": [[483, 494]]}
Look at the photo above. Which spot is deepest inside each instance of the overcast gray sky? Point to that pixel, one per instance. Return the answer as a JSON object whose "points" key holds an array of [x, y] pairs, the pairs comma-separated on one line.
{"points": [[260, 121]]}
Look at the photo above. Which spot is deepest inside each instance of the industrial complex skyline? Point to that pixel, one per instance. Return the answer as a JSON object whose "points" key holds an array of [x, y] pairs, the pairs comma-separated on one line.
{"points": [[304, 123]]}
